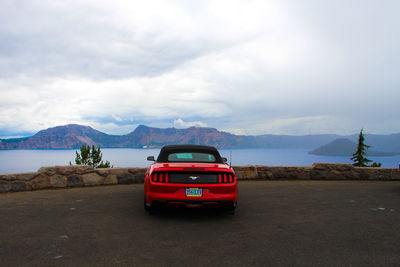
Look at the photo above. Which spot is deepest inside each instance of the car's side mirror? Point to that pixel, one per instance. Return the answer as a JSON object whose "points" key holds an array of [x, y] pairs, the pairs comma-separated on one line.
{"points": [[224, 160], [151, 158]]}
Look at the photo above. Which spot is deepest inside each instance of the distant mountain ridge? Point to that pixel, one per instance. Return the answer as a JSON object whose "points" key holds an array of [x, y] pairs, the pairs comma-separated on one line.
{"points": [[346, 147], [73, 136]]}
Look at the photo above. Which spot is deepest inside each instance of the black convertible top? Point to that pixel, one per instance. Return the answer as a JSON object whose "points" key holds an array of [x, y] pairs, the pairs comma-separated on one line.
{"points": [[166, 150]]}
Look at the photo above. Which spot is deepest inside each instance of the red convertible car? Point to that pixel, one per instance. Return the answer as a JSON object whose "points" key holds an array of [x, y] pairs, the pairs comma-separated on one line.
{"points": [[190, 176]]}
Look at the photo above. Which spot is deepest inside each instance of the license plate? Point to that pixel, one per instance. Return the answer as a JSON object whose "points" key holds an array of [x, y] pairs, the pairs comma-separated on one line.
{"points": [[194, 192]]}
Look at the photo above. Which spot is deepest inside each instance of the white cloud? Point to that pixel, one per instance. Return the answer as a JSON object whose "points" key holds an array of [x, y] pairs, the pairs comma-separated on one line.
{"points": [[249, 67], [179, 123]]}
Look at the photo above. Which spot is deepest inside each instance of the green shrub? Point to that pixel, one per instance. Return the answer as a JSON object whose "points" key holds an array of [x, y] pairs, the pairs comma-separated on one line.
{"points": [[91, 156]]}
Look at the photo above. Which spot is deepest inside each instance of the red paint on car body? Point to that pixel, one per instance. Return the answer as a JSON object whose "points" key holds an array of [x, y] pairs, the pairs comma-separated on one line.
{"points": [[169, 183]]}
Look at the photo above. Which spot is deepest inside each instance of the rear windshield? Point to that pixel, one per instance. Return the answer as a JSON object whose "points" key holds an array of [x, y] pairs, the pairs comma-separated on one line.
{"points": [[191, 157]]}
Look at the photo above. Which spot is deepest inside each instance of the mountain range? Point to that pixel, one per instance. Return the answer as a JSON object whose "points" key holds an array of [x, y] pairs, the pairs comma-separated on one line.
{"points": [[73, 136], [346, 147]]}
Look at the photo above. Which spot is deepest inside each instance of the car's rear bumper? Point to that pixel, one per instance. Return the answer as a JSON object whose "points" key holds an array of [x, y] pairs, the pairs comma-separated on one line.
{"points": [[213, 194], [193, 204]]}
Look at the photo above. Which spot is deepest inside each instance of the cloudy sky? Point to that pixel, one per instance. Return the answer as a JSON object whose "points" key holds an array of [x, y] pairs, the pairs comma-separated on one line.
{"points": [[246, 67]]}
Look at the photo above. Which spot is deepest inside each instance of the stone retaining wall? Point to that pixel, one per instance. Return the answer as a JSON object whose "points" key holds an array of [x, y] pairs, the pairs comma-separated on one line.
{"points": [[81, 175]]}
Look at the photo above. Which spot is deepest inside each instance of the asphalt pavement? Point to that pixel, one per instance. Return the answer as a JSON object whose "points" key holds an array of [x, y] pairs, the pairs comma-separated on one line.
{"points": [[277, 223]]}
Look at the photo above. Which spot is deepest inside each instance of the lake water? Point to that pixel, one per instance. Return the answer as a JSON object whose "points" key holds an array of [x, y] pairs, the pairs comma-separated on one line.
{"points": [[12, 161]]}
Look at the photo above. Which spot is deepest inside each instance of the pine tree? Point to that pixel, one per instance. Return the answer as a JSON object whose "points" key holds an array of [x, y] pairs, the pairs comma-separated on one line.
{"points": [[359, 157], [91, 156], [84, 157], [97, 156]]}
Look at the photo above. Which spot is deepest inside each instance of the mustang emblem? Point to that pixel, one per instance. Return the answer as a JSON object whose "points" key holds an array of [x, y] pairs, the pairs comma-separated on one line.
{"points": [[194, 177]]}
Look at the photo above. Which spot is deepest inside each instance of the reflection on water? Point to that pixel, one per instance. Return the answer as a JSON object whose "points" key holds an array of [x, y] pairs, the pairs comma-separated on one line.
{"points": [[31, 160]]}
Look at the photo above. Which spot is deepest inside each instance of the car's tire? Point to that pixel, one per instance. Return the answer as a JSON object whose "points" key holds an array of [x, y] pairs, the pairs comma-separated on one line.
{"points": [[147, 208], [230, 207]]}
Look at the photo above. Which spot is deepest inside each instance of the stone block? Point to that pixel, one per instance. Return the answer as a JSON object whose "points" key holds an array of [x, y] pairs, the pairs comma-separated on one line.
{"points": [[66, 170], [395, 174], [369, 173], [292, 173], [28, 186], [239, 171], [384, 174], [8, 177], [316, 174], [82, 169], [118, 171], [333, 171], [333, 166], [74, 181], [283, 173], [58, 181], [126, 178], [138, 174], [4, 186], [140, 171], [353, 174], [264, 173], [342, 167], [48, 170], [326, 175], [102, 171], [139, 178], [18, 186], [363, 174], [92, 179], [25, 176], [41, 181], [250, 172], [334, 175], [111, 179], [380, 173], [304, 173]]}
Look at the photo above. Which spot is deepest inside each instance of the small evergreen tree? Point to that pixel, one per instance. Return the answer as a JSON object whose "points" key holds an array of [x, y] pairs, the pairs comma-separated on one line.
{"points": [[97, 161], [84, 156], [91, 156], [359, 157]]}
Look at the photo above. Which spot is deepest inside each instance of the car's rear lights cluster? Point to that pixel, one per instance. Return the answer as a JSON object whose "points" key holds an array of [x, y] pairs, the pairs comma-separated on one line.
{"points": [[225, 178], [219, 178], [161, 177]]}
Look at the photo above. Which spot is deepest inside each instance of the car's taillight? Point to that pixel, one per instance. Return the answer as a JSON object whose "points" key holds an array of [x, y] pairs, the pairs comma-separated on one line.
{"points": [[224, 178], [160, 177]]}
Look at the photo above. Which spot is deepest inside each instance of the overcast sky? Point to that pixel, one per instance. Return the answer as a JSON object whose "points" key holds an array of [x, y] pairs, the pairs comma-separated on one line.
{"points": [[246, 67]]}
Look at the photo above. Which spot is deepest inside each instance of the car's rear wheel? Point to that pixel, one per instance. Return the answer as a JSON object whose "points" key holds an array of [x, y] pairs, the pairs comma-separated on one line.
{"points": [[230, 207], [147, 207]]}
